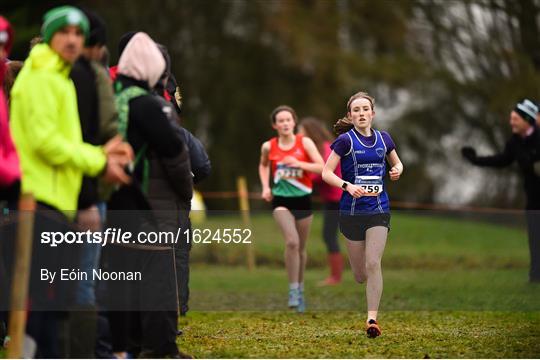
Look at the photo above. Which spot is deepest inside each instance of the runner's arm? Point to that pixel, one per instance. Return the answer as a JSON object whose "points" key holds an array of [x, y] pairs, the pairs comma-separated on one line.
{"points": [[328, 174], [503, 159], [331, 178], [317, 162], [264, 171], [396, 166]]}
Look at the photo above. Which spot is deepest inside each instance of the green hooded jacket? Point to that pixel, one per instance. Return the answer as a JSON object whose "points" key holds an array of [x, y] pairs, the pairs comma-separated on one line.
{"points": [[47, 133]]}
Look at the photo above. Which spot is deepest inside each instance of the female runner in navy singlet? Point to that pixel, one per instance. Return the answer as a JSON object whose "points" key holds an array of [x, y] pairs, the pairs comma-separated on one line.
{"points": [[364, 211]]}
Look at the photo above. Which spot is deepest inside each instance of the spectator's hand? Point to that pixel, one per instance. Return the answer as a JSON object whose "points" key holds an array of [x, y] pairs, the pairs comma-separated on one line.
{"points": [[114, 171], [267, 194], [468, 153], [118, 148]]}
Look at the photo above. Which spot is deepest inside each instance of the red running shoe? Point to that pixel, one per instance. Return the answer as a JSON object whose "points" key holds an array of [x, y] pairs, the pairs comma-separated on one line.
{"points": [[372, 329]]}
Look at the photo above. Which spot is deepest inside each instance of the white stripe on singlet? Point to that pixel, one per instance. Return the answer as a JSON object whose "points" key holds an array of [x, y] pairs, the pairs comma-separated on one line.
{"points": [[351, 148], [353, 204], [382, 169], [364, 145]]}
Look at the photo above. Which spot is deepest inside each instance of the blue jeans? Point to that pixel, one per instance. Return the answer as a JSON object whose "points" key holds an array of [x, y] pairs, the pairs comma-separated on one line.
{"points": [[85, 293], [88, 219]]}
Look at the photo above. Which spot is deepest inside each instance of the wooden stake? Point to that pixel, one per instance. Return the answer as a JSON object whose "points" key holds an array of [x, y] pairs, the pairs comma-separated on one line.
{"points": [[21, 275], [243, 198]]}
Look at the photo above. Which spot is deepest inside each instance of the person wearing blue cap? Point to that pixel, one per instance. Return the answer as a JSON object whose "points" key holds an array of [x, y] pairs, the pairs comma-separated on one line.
{"points": [[524, 149]]}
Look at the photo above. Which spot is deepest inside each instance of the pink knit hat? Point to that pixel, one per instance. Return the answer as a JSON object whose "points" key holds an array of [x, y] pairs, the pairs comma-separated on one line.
{"points": [[142, 60]]}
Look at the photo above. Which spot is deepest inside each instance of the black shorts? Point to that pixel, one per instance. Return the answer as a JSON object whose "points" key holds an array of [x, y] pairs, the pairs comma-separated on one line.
{"points": [[354, 227], [299, 206]]}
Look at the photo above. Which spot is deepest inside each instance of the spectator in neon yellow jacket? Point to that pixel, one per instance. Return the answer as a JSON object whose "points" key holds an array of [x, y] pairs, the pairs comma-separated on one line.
{"points": [[47, 134], [45, 120]]}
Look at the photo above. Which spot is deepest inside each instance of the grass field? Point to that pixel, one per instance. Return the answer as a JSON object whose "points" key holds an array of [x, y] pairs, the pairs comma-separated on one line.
{"points": [[236, 289], [339, 334], [415, 241], [460, 313], [453, 288]]}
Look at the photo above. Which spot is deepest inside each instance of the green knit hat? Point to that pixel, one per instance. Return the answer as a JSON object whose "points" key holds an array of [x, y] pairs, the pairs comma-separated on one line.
{"points": [[57, 18]]}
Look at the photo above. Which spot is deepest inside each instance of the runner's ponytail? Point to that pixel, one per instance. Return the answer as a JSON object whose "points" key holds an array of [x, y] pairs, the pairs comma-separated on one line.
{"points": [[343, 125]]}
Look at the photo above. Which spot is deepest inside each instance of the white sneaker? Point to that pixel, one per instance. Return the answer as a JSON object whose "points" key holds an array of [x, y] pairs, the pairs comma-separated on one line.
{"points": [[294, 298]]}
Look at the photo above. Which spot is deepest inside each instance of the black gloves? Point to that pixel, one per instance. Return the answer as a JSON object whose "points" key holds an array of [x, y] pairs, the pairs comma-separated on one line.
{"points": [[468, 153]]}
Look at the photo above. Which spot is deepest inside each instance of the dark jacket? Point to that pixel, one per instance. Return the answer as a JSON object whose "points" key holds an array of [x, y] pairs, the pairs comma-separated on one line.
{"points": [[99, 119], [169, 182], [177, 172], [108, 115], [84, 78], [200, 163], [170, 186], [526, 152]]}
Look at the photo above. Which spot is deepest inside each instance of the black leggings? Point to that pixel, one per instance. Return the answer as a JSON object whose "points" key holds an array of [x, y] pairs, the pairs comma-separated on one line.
{"points": [[181, 255], [330, 226], [143, 314]]}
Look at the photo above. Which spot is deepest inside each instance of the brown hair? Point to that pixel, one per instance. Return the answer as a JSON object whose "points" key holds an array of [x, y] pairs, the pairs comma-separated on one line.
{"points": [[281, 108], [35, 40], [316, 131], [345, 124], [12, 70]]}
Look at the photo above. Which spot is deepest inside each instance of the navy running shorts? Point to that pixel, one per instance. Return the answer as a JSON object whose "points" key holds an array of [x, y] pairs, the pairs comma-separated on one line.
{"points": [[354, 227]]}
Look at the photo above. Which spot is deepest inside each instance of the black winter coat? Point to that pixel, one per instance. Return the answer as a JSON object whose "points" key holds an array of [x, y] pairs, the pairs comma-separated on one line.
{"points": [[526, 152], [170, 180], [84, 79]]}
